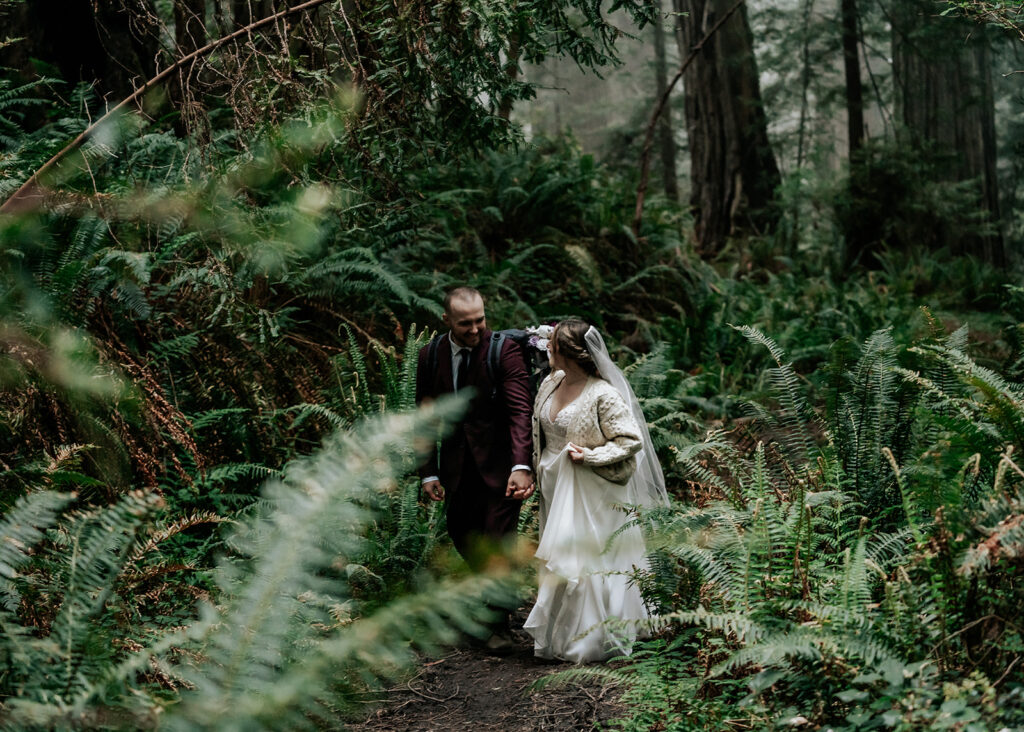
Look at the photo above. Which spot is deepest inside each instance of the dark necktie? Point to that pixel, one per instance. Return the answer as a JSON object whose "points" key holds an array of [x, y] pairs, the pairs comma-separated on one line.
{"points": [[463, 371]]}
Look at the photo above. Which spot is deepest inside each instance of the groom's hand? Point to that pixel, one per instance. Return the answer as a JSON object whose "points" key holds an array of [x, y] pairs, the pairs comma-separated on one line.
{"points": [[433, 490], [520, 485]]}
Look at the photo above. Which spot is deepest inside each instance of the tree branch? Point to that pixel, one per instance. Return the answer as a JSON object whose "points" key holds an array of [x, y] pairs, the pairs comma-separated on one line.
{"points": [[645, 156], [21, 199]]}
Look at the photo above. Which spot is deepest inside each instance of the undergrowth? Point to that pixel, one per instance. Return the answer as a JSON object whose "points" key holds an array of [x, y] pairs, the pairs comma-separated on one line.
{"points": [[181, 332]]}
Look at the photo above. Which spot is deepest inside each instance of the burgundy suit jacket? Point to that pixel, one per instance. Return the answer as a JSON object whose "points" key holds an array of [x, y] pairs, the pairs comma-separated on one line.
{"points": [[494, 433]]}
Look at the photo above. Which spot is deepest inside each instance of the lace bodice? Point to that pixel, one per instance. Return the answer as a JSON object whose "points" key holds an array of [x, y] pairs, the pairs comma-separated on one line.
{"points": [[555, 430]]}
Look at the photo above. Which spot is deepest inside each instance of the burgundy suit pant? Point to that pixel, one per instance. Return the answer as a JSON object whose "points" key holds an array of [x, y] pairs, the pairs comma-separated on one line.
{"points": [[480, 522]]}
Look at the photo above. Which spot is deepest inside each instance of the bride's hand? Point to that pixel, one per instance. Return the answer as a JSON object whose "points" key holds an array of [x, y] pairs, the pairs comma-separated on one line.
{"points": [[575, 453]]}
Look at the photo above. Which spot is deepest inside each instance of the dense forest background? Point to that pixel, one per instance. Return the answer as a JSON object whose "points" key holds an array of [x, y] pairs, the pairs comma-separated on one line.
{"points": [[227, 226]]}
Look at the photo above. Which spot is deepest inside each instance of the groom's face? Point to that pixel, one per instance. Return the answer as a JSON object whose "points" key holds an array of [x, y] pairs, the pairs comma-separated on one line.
{"points": [[467, 321]]}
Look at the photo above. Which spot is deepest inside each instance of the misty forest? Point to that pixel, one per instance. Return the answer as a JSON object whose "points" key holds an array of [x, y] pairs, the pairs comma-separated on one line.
{"points": [[227, 228]]}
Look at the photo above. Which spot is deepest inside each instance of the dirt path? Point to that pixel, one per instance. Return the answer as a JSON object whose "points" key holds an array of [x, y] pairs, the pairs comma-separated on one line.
{"points": [[466, 689]]}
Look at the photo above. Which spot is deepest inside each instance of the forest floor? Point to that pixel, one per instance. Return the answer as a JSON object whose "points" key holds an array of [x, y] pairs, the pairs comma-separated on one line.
{"points": [[468, 689]]}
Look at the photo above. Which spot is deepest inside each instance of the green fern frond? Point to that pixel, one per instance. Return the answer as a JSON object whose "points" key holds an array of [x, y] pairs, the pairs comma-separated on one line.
{"points": [[305, 411], [23, 526], [575, 675], [230, 472]]}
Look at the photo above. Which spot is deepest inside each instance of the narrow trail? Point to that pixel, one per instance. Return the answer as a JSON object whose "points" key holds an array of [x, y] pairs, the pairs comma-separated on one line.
{"points": [[467, 689]]}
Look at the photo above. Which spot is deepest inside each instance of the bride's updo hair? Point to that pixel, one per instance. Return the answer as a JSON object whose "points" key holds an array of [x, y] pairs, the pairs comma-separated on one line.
{"points": [[571, 339]]}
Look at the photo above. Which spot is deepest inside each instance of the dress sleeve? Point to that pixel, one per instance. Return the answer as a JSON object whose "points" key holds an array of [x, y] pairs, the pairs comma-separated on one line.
{"points": [[619, 429]]}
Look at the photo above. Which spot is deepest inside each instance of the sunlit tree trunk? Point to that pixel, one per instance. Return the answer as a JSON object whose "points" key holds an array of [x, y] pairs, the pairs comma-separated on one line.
{"points": [[666, 138], [733, 172], [944, 100]]}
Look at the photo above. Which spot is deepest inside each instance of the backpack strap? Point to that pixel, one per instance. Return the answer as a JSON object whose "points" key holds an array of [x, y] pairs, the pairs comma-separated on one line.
{"points": [[494, 359]]}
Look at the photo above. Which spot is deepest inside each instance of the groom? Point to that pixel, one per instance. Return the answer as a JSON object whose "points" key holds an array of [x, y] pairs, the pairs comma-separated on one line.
{"points": [[488, 454]]}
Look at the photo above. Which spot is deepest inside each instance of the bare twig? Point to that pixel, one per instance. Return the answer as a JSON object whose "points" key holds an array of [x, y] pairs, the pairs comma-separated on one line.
{"points": [[645, 156], [1007, 671], [970, 625], [416, 691], [25, 192]]}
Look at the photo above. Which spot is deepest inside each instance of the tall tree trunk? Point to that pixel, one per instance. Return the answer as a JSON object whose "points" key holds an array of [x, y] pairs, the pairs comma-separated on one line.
{"points": [[666, 138], [851, 64], [733, 171], [944, 100], [805, 82]]}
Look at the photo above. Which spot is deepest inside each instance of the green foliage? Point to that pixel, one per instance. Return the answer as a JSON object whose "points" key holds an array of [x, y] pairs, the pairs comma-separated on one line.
{"points": [[73, 584], [197, 319], [286, 633], [660, 691], [15, 99], [835, 565], [1004, 15], [897, 199]]}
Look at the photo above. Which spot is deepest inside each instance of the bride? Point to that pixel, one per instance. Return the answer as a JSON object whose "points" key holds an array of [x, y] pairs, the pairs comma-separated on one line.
{"points": [[597, 457]]}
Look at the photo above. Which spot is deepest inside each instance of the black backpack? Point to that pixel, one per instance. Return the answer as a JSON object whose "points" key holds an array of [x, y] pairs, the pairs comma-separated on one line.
{"points": [[535, 361]]}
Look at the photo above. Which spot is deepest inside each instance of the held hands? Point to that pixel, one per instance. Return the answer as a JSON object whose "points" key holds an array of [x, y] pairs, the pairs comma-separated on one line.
{"points": [[433, 490], [575, 453], [520, 485]]}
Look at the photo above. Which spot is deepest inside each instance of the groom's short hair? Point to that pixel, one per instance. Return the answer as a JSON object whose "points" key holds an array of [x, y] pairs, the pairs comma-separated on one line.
{"points": [[460, 293]]}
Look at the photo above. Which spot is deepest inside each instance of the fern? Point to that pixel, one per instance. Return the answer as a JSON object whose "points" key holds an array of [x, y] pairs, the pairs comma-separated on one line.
{"points": [[231, 472], [78, 582], [14, 98], [796, 419], [255, 670]]}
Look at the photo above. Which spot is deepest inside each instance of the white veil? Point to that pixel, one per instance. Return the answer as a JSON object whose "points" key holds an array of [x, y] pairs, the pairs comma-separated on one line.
{"points": [[647, 486]]}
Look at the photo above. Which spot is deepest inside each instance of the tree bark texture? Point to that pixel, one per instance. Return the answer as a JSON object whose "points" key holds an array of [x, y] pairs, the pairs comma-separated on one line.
{"points": [[944, 99], [666, 137], [733, 171]]}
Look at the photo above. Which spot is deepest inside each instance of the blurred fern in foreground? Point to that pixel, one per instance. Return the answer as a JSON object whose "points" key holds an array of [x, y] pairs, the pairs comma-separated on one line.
{"points": [[284, 644]]}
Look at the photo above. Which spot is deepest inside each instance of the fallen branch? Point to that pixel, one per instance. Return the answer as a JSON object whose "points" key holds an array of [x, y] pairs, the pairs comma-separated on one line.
{"points": [[24, 193], [645, 156]]}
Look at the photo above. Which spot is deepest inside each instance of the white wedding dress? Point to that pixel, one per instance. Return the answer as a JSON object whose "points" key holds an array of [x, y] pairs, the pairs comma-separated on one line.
{"points": [[582, 581]]}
